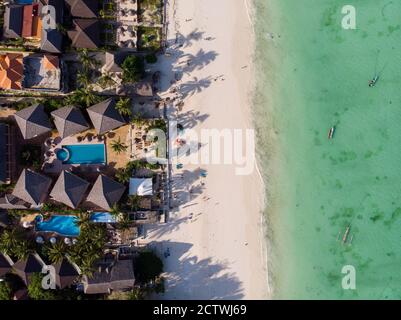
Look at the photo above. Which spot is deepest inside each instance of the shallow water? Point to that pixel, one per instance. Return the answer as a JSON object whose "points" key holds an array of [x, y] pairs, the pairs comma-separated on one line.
{"points": [[313, 75]]}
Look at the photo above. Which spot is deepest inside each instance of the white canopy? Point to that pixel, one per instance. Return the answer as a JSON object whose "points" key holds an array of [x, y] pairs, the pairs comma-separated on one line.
{"points": [[141, 186]]}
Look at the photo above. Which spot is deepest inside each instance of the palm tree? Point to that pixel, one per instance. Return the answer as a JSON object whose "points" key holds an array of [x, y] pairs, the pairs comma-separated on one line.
{"points": [[123, 175], [137, 120], [10, 240], [123, 106], [134, 201], [118, 146], [22, 249], [83, 219], [85, 59], [83, 96], [106, 81], [57, 252], [83, 79], [115, 210]]}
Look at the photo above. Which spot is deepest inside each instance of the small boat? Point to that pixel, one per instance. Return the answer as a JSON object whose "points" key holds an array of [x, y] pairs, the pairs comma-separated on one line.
{"points": [[345, 236], [331, 132], [373, 82]]}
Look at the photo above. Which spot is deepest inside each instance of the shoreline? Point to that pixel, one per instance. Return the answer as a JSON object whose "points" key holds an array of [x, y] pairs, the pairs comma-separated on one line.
{"points": [[216, 235]]}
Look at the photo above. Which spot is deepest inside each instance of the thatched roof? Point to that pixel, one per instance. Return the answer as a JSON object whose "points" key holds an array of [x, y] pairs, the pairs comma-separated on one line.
{"points": [[5, 264], [86, 33], [105, 116], [32, 187], [106, 192], [117, 276], [83, 8], [69, 189], [26, 267], [66, 274], [33, 121], [69, 121]]}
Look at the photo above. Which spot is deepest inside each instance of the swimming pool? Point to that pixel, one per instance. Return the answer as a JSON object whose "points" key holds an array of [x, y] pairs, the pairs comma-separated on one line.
{"points": [[102, 217], [83, 154], [63, 225]]}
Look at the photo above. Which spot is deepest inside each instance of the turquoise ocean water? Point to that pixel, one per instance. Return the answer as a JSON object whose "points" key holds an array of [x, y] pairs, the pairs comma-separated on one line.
{"points": [[312, 75]]}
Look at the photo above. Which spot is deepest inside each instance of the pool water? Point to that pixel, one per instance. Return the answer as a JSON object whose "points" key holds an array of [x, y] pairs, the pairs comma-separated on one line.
{"points": [[83, 154], [63, 225], [63, 155], [102, 217], [24, 1]]}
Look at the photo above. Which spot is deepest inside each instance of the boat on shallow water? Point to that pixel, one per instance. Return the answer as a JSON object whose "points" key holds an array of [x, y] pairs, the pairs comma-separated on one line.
{"points": [[331, 132], [373, 82]]}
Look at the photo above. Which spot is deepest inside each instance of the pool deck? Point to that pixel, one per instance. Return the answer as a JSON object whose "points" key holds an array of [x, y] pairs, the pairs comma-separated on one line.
{"points": [[114, 161]]}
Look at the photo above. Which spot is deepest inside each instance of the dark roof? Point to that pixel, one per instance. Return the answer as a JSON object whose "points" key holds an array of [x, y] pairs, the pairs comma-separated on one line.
{"points": [[69, 189], [51, 41], [83, 8], [85, 33], [66, 274], [69, 121], [105, 116], [3, 152], [12, 27], [33, 121], [106, 192], [5, 264], [26, 267], [32, 187], [116, 276]]}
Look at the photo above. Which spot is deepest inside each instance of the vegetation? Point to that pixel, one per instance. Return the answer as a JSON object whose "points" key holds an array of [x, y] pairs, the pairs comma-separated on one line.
{"points": [[134, 202], [118, 146], [151, 58], [14, 243], [133, 69], [58, 208], [36, 291], [56, 252], [158, 124], [148, 267], [30, 156], [5, 291], [88, 62], [106, 81], [83, 97], [149, 38], [123, 106], [89, 247], [124, 174], [5, 188]]}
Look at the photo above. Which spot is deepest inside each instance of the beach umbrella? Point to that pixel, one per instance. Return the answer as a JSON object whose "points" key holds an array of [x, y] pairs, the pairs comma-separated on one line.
{"points": [[74, 241], [53, 240], [26, 224], [39, 240], [67, 241]]}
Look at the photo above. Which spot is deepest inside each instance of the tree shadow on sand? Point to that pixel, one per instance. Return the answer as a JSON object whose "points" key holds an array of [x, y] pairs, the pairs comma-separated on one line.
{"points": [[180, 62], [188, 277]]}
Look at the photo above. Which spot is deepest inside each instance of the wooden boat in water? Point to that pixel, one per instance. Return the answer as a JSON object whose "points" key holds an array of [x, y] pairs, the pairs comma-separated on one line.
{"points": [[331, 132], [373, 82]]}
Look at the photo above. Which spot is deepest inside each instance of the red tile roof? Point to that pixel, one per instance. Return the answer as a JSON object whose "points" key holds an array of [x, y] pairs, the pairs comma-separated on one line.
{"points": [[11, 71]]}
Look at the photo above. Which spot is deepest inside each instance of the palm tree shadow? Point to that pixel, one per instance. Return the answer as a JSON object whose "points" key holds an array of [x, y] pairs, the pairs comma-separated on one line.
{"points": [[189, 277]]}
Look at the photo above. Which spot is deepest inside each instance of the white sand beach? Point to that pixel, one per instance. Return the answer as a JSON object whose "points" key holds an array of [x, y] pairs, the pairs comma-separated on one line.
{"points": [[215, 233]]}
